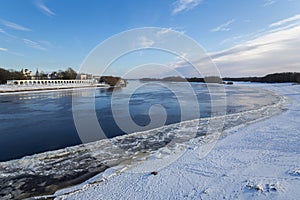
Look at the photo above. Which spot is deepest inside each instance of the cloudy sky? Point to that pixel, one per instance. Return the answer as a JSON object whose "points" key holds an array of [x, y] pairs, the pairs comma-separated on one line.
{"points": [[243, 38]]}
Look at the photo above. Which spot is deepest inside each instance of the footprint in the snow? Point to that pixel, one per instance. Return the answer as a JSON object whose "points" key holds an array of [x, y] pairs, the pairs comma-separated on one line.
{"points": [[263, 188], [295, 172]]}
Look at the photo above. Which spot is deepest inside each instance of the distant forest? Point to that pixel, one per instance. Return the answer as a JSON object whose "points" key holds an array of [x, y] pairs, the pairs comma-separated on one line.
{"points": [[286, 77], [210, 79], [10, 75]]}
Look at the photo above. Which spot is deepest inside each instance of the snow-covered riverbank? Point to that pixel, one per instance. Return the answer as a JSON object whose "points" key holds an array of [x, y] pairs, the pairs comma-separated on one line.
{"points": [[12, 89], [261, 160]]}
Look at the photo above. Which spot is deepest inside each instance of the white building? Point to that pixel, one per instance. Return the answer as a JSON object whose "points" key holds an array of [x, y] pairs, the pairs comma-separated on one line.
{"points": [[49, 82]]}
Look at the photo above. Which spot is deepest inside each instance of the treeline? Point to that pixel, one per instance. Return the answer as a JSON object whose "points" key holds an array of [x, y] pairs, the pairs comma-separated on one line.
{"points": [[67, 74], [28, 75], [209, 79], [10, 75], [60, 74], [286, 77], [112, 80]]}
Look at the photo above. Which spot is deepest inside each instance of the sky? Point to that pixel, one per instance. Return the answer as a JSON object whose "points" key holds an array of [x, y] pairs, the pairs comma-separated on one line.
{"points": [[243, 38]]}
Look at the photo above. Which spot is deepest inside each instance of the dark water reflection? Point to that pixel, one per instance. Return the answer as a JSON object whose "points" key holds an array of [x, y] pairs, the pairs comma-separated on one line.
{"points": [[38, 122]]}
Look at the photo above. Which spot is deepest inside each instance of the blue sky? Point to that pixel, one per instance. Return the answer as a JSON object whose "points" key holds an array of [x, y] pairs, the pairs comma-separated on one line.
{"points": [[246, 37]]}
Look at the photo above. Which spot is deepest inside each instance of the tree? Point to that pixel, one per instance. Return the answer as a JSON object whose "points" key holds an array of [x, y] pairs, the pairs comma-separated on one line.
{"points": [[112, 81], [53, 75], [298, 77], [60, 74], [70, 73], [10, 75], [213, 79], [43, 75]]}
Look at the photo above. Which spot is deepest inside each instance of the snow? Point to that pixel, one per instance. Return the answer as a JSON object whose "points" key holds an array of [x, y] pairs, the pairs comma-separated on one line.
{"points": [[260, 160], [13, 89]]}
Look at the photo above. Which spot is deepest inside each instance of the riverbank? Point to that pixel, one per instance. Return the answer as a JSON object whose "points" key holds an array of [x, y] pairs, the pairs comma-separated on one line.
{"points": [[259, 161], [13, 89]]}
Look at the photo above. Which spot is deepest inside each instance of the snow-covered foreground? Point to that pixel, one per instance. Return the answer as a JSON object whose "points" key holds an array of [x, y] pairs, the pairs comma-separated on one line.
{"points": [[260, 160]]}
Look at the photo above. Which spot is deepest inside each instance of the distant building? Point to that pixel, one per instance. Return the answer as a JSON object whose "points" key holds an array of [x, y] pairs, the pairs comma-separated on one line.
{"points": [[83, 76], [27, 73], [49, 82], [37, 75], [122, 82]]}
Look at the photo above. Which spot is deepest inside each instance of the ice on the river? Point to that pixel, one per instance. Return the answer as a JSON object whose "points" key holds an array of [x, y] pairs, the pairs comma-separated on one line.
{"points": [[258, 161]]}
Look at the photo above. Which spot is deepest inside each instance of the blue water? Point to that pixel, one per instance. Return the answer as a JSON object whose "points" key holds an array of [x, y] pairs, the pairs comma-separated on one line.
{"points": [[37, 122]]}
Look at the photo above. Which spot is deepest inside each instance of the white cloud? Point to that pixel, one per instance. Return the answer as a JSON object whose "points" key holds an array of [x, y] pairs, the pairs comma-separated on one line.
{"points": [[145, 42], [3, 49], [184, 5], [42, 7], [45, 43], [40, 44], [164, 31], [14, 25], [33, 44], [232, 39], [274, 27], [273, 50], [10, 52], [295, 18], [268, 3], [223, 27], [7, 34]]}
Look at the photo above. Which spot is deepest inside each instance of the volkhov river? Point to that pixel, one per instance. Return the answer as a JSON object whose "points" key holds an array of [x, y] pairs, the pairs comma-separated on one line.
{"points": [[37, 122]]}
